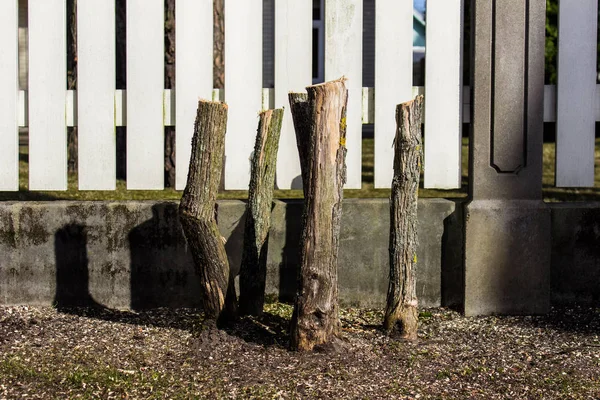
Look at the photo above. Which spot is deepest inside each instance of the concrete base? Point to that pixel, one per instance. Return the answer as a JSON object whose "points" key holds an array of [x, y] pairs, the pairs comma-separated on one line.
{"points": [[133, 254], [507, 257]]}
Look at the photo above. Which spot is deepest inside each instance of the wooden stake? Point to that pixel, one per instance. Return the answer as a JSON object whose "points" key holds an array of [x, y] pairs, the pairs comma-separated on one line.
{"points": [[197, 211], [320, 123], [401, 312], [253, 272]]}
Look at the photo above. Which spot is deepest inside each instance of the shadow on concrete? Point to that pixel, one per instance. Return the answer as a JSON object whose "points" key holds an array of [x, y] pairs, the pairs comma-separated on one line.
{"points": [[235, 245], [289, 268], [72, 275], [453, 290], [162, 273]]}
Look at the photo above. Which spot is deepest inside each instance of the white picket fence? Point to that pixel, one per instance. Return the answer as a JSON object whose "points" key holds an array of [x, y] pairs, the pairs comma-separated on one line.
{"points": [[145, 108]]}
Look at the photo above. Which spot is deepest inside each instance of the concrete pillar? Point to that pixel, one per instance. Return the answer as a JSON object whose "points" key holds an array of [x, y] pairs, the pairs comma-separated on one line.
{"points": [[507, 225]]}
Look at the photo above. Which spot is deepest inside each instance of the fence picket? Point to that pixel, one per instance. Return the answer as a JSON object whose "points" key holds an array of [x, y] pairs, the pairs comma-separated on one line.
{"points": [[9, 87], [293, 63], [576, 93], [243, 92], [343, 57], [443, 94], [393, 78], [145, 87], [194, 74], [47, 95], [96, 94]]}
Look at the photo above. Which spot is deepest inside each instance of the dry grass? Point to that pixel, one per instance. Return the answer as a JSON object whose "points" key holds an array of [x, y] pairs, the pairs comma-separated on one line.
{"points": [[83, 353]]}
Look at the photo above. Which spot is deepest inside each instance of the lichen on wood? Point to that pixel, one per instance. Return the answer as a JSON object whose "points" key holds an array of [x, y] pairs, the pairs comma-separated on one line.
{"points": [[401, 314], [253, 270], [320, 124], [197, 211]]}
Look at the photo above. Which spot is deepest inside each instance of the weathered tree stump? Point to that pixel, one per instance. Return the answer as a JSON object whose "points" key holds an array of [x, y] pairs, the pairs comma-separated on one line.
{"points": [[301, 117], [197, 212], [320, 124], [253, 273], [401, 314]]}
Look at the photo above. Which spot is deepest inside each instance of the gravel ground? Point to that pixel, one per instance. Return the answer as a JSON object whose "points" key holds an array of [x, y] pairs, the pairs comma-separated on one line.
{"points": [[85, 353]]}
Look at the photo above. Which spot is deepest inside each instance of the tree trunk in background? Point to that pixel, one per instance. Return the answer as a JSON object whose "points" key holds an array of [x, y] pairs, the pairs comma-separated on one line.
{"points": [[72, 142], [170, 84], [316, 319], [219, 44], [121, 76], [401, 312], [197, 212], [253, 271]]}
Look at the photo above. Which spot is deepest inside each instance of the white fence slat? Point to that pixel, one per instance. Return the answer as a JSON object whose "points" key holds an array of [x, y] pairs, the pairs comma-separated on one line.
{"points": [[243, 92], [145, 89], [169, 107], [47, 95], [393, 78], [293, 73], [343, 57], [96, 94], [9, 98], [194, 75], [443, 94], [23, 108], [120, 107], [575, 122]]}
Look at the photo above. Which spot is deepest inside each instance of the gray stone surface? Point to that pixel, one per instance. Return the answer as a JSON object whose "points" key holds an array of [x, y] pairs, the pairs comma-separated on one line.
{"points": [[507, 226], [133, 254], [508, 100], [507, 257]]}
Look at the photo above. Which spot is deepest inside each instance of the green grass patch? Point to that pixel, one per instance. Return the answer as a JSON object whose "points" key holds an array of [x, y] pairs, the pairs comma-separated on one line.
{"points": [[550, 192]]}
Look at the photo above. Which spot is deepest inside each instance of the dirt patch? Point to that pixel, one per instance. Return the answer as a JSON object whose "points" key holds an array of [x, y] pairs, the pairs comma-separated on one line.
{"points": [[91, 353]]}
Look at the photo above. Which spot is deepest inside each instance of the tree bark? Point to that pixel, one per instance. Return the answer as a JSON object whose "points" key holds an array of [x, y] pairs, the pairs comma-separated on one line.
{"points": [[253, 271], [72, 137], [170, 84], [197, 212], [401, 314], [301, 118], [321, 135], [219, 44]]}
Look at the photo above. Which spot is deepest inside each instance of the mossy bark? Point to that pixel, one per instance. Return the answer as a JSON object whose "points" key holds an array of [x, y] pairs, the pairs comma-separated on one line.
{"points": [[253, 273], [401, 314], [320, 123], [197, 212]]}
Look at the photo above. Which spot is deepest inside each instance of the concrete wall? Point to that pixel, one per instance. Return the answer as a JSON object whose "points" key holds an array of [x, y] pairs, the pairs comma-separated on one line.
{"points": [[133, 254]]}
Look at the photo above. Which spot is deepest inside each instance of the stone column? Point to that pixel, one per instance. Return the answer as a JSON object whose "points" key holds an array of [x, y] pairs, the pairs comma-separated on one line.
{"points": [[507, 224]]}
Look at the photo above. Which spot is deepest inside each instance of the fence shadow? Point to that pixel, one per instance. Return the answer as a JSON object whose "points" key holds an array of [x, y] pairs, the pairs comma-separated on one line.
{"points": [[289, 267], [453, 290], [162, 273], [72, 274]]}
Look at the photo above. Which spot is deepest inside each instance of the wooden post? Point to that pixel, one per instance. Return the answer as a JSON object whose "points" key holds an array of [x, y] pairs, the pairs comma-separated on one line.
{"points": [[197, 211], [321, 127], [401, 311], [253, 271]]}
